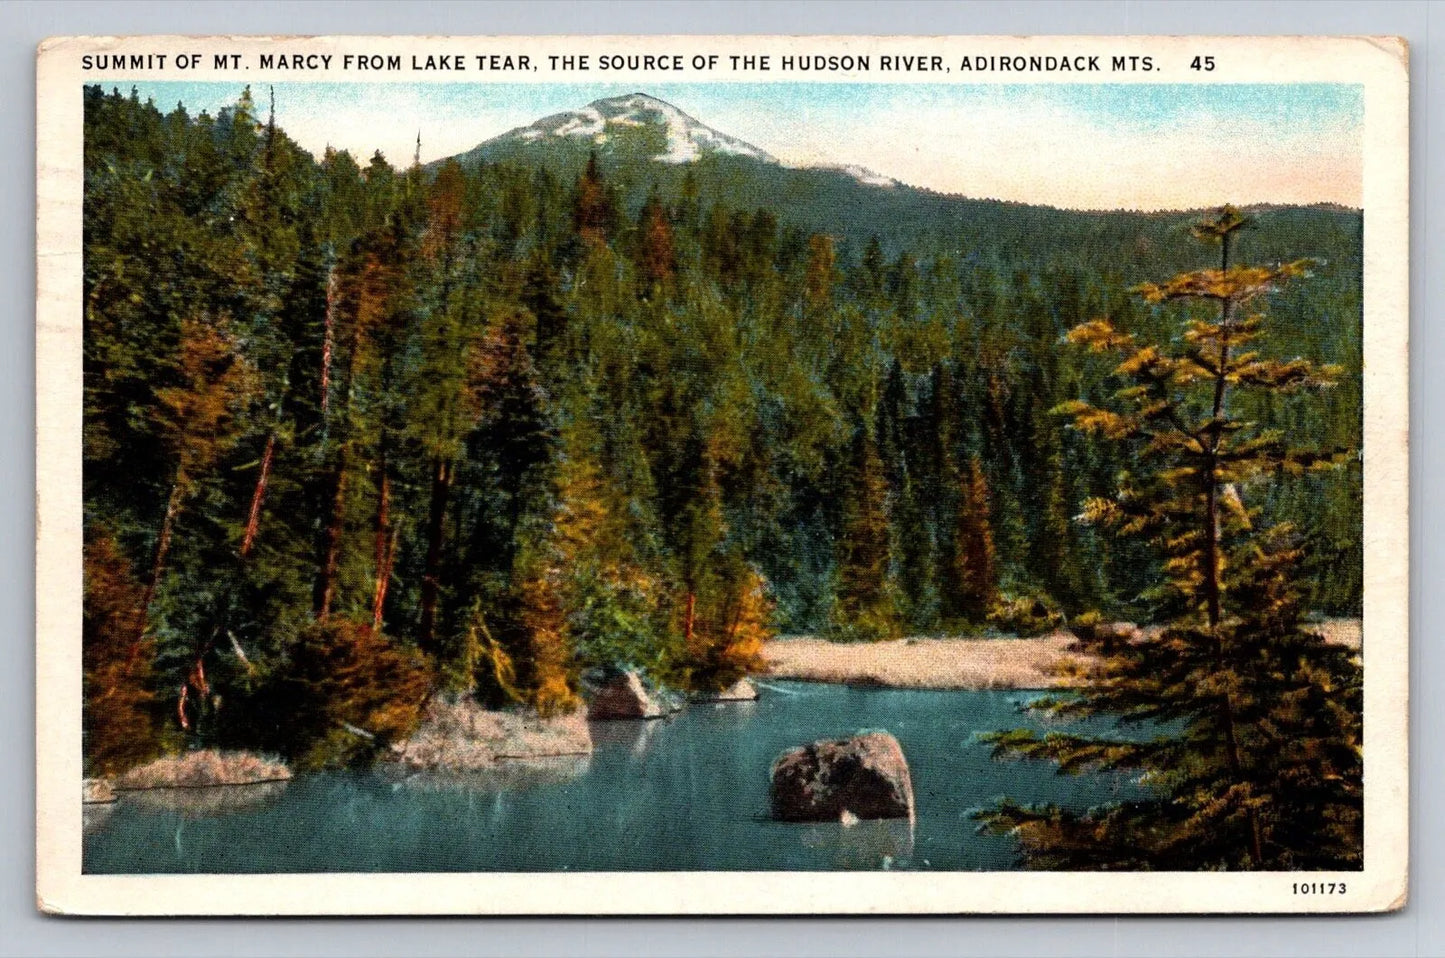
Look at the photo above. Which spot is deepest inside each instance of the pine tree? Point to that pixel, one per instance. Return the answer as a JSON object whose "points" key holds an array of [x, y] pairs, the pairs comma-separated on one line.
{"points": [[866, 603], [197, 417], [972, 585], [347, 692], [1265, 771], [594, 210], [120, 728], [656, 256]]}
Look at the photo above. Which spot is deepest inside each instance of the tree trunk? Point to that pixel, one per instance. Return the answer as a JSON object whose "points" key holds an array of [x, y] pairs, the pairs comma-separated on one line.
{"points": [[384, 581], [435, 533], [327, 340], [337, 527], [158, 564], [333, 541], [1212, 586], [382, 561], [253, 520]]}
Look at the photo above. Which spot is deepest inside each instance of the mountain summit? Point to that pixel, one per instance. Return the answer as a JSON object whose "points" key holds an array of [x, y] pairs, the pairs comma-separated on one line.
{"points": [[674, 137]]}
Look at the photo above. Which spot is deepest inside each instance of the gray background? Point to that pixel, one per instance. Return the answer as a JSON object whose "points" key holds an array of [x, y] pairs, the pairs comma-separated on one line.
{"points": [[1418, 930]]}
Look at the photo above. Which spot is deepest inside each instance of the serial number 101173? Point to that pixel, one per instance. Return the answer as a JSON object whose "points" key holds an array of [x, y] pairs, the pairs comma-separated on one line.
{"points": [[1319, 888]]}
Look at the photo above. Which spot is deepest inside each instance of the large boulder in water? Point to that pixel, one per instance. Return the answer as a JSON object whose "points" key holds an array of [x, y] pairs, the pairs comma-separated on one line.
{"points": [[622, 695], [865, 776]]}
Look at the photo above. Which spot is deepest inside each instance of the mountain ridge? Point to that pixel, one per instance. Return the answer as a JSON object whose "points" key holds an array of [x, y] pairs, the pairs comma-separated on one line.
{"points": [[685, 139], [645, 144]]}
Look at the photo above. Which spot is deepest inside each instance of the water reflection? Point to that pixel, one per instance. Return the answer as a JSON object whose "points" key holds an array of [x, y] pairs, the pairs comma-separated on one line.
{"points": [[95, 815], [685, 793], [635, 736], [863, 845], [502, 777], [206, 802]]}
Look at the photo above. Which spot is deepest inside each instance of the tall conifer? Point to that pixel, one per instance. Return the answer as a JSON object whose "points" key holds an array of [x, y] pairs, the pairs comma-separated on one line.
{"points": [[1264, 771]]}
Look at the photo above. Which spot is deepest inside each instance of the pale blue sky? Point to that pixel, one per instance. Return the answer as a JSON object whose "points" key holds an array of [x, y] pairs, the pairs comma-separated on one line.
{"points": [[1079, 145]]}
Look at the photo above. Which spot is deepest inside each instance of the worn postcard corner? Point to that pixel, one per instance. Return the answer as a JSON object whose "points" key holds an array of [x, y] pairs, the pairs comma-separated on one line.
{"points": [[722, 475]]}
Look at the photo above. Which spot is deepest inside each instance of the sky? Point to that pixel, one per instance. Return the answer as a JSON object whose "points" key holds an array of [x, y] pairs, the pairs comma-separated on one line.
{"points": [[1081, 146]]}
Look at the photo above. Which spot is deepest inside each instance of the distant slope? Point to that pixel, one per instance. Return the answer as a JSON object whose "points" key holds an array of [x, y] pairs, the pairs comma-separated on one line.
{"points": [[643, 143]]}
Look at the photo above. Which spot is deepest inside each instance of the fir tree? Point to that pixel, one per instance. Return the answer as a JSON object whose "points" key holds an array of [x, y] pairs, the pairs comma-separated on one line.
{"points": [[866, 604], [1265, 771], [972, 585]]}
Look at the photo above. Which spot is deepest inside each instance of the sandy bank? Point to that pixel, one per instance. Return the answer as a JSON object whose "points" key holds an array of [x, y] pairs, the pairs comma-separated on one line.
{"points": [[925, 663], [957, 663]]}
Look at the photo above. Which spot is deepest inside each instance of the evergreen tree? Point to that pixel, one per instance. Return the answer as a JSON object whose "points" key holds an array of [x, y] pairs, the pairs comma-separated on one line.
{"points": [[972, 585], [120, 727], [866, 604], [1265, 771], [594, 209]]}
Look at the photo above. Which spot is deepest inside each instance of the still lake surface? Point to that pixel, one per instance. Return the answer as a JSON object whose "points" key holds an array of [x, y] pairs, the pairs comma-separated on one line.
{"points": [[681, 794]]}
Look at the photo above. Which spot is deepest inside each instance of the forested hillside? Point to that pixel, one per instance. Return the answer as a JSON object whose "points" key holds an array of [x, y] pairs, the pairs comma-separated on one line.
{"points": [[354, 433]]}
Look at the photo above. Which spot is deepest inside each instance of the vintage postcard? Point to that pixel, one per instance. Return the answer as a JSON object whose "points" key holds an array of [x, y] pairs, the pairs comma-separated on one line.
{"points": [[686, 475]]}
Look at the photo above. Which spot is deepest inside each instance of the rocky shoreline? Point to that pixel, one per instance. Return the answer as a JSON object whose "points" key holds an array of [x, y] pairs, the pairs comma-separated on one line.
{"points": [[462, 736], [206, 768]]}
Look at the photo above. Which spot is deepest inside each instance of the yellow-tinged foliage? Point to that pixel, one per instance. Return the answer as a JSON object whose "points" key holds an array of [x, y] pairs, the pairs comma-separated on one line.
{"points": [[1237, 284], [345, 691], [1100, 335], [119, 721], [730, 623], [198, 416], [549, 654]]}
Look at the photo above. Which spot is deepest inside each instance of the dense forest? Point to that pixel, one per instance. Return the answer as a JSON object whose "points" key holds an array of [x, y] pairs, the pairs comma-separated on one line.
{"points": [[354, 434]]}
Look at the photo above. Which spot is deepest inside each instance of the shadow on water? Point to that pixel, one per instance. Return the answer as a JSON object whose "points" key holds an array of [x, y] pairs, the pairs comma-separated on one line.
{"points": [[688, 792]]}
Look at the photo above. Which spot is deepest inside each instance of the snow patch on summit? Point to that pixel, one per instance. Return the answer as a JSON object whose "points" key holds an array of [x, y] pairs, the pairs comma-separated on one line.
{"points": [[687, 139], [863, 175]]}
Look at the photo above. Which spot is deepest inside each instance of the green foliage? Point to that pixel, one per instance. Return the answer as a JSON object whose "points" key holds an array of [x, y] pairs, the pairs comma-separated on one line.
{"points": [[120, 729], [1023, 615], [535, 414], [866, 603], [1265, 772], [341, 693]]}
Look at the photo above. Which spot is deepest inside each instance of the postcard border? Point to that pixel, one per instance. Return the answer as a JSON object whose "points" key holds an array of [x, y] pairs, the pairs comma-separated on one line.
{"points": [[1381, 64]]}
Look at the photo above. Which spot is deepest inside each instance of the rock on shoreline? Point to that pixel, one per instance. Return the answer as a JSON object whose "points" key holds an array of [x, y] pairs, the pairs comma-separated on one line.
{"points": [[462, 736], [623, 696], [97, 791], [205, 768]]}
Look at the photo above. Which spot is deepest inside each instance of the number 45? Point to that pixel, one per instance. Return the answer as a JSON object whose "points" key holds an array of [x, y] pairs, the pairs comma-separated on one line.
{"points": [[1202, 63]]}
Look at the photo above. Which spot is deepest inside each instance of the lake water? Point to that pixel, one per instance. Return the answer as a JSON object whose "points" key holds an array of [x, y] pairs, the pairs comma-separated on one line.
{"points": [[687, 793]]}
